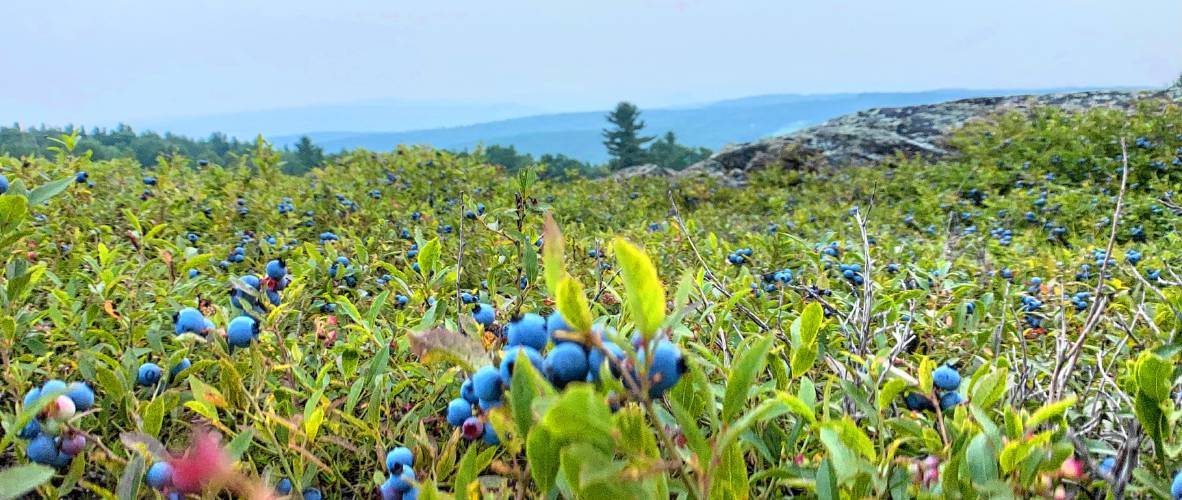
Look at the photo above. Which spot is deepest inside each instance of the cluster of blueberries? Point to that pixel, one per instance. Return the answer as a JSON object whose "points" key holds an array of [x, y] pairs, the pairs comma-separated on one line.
{"points": [[286, 206], [400, 485], [740, 256], [851, 272], [51, 441], [1003, 236], [947, 382], [567, 361], [342, 269], [470, 214]]}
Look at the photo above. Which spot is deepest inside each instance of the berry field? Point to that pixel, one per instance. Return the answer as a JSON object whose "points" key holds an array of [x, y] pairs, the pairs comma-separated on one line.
{"points": [[419, 324]]}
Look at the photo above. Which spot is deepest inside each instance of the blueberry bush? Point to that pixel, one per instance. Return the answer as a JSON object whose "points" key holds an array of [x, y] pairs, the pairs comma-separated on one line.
{"points": [[416, 324]]}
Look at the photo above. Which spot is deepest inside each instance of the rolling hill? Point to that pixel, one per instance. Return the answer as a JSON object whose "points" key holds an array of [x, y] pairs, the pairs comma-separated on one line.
{"points": [[711, 125]]}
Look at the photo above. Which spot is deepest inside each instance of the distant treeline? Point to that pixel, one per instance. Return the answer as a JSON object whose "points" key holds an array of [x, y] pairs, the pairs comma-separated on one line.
{"points": [[622, 140], [124, 142]]}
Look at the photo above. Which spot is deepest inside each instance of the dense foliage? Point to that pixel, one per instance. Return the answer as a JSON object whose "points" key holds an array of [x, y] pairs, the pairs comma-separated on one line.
{"points": [[1000, 325]]}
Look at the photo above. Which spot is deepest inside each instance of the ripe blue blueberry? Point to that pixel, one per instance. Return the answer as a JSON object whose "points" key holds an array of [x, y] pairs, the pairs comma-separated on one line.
{"points": [[31, 396], [484, 314], [284, 487], [458, 410], [1176, 488], [149, 374], [30, 430], [241, 332], [528, 330], [312, 494], [667, 368], [1106, 465], [82, 396], [946, 377], [949, 400], [490, 435], [398, 458], [42, 450], [403, 481], [183, 365], [917, 402], [556, 326], [3, 184], [596, 359], [509, 362], [566, 363], [468, 393], [53, 386], [487, 406], [190, 320], [276, 270], [160, 475], [486, 382], [402, 300]]}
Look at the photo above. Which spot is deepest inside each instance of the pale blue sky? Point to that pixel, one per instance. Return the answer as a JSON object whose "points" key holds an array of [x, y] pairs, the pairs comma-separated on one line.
{"points": [[104, 61]]}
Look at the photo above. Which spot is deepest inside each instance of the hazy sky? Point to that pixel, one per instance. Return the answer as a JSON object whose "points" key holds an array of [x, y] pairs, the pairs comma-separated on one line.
{"points": [[88, 61]]}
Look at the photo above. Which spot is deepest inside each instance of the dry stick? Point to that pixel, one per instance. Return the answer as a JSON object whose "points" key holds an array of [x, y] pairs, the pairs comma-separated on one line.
{"points": [[710, 274], [1059, 381], [867, 286]]}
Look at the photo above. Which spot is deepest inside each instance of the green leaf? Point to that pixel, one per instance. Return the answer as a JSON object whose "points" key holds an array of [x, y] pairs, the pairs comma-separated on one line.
{"points": [[743, 373], [240, 444], [827, 482], [15, 482], [580, 414], [982, 460], [44, 192], [542, 452], [572, 303], [803, 335], [12, 211], [527, 384], [1154, 376], [1048, 412], [129, 482], [890, 392], [153, 417], [428, 257], [553, 248], [646, 296]]}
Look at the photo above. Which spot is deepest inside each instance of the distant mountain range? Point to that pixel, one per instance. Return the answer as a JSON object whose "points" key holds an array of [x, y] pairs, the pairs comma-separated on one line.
{"points": [[711, 125]]}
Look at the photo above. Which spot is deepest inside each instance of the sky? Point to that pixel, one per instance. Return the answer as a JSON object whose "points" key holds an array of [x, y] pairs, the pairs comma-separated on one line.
{"points": [[84, 61]]}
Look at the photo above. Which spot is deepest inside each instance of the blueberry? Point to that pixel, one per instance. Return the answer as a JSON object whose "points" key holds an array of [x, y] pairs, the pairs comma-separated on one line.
{"points": [[42, 450], [73, 444], [945, 377], [484, 314], [400, 457], [312, 494], [149, 374], [284, 487], [31, 396], [949, 400], [555, 325], [1107, 464], [30, 430], [566, 363], [183, 365], [667, 368], [596, 359], [403, 481], [241, 331], [467, 392], [490, 435], [190, 320], [473, 428], [160, 475], [528, 330], [1176, 488], [486, 383], [487, 406], [917, 402], [82, 395], [458, 410], [509, 362], [276, 270]]}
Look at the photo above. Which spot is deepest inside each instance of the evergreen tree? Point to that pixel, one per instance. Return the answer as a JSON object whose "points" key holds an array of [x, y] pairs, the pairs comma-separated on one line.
{"points": [[308, 155], [624, 142], [667, 153]]}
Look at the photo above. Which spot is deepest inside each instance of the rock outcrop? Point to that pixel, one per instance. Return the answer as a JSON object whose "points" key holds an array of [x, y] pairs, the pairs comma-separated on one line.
{"points": [[875, 135]]}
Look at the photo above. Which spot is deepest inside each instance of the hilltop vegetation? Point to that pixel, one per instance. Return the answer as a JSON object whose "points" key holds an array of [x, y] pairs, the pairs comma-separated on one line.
{"points": [[999, 324]]}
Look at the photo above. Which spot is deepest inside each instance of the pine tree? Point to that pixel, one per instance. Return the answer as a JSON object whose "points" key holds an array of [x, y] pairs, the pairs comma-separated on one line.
{"points": [[624, 142]]}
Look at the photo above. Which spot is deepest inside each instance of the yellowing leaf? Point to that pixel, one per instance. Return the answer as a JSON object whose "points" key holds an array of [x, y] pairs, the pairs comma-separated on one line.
{"points": [[646, 297], [553, 248], [572, 304]]}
